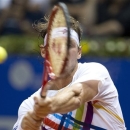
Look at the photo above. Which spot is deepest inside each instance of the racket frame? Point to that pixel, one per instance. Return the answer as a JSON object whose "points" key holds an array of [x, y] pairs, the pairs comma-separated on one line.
{"points": [[67, 18]]}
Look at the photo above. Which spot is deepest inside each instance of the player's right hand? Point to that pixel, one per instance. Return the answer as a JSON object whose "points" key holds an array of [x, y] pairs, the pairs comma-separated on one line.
{"points": [[31, 122]]}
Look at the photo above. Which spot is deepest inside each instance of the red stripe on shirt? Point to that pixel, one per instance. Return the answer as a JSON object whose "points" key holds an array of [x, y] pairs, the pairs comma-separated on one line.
{"points": [[53, 124]]}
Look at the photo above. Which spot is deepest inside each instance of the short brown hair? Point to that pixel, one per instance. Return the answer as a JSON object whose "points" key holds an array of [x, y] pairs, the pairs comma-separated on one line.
{"points": [[41, 27]]}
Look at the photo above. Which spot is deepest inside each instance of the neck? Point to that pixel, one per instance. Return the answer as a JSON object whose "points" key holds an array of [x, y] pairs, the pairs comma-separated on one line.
{"points": [[64, 81]]}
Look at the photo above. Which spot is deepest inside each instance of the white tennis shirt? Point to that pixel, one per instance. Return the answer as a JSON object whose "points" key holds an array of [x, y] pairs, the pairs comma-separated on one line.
{"points": [[103, 112]]}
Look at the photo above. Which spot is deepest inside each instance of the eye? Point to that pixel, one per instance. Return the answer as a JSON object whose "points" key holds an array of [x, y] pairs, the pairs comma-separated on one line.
{"points": [[72, 44]]}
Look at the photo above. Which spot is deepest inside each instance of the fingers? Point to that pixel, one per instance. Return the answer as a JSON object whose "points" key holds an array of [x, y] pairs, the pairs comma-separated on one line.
{"points": [[42, 107], [42, 102]]}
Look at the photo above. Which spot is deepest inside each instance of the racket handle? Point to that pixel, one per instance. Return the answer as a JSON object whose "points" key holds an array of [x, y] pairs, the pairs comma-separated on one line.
{"points": [[43, 94], [43, 91]]}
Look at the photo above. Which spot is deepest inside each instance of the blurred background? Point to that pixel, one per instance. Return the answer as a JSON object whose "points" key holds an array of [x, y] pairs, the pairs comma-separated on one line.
{"points": [[106, 39]]}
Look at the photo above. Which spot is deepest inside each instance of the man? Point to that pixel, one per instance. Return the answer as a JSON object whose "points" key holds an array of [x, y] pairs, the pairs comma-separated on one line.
{"points": [[83, 98]]}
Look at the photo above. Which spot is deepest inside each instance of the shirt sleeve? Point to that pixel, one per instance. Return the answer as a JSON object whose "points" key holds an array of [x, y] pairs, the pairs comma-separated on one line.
{"points": [[106, 88], [27, 105], [91, 71]]}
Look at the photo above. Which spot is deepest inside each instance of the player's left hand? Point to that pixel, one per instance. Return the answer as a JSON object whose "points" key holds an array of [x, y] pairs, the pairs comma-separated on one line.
{"points": [[42, 106]]}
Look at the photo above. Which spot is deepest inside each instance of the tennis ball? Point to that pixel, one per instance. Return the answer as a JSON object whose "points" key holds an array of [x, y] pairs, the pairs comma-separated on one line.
{"points": [[3, 54]]}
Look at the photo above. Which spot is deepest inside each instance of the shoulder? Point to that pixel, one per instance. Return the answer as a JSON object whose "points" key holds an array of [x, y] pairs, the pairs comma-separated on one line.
{"points": [[91, 71], [91, 66]]}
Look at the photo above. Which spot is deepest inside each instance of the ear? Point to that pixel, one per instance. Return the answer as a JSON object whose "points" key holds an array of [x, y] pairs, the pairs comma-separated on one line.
{"points": [[42, 50], [79, 52]]}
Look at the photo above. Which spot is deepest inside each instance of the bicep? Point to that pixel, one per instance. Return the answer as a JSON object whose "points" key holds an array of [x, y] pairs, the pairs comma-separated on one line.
{"points": [[86, 91]]}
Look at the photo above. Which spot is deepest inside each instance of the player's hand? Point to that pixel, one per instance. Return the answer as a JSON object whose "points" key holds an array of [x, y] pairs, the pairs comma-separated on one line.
{"points": [[42, 106], [31, 122]]}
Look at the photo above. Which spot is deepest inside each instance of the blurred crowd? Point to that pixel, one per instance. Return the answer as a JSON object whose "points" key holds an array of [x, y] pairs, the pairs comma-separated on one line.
{"points": [[97, 17], [17, 16]]}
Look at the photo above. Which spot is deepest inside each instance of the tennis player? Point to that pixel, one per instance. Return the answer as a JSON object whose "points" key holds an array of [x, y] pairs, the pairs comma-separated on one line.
{"points": [[83, 98]]}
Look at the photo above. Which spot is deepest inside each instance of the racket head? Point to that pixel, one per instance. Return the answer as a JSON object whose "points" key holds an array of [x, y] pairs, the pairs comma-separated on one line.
{"points": [[57, 47]]}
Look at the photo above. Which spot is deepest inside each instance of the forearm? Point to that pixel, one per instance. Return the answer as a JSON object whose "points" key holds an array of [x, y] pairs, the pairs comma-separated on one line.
{"points": [[66, 100], [72, 97], [63, 105]]}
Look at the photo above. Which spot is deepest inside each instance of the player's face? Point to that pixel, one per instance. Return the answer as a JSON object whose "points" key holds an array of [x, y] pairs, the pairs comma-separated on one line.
{"points": [[73, 56]]}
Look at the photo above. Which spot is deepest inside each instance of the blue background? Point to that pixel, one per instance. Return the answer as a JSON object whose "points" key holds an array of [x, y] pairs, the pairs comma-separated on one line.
{"points": [[15, 67]]}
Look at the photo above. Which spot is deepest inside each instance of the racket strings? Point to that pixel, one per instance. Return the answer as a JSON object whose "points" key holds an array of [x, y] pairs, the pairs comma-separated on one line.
{"points": [[57, 46]]}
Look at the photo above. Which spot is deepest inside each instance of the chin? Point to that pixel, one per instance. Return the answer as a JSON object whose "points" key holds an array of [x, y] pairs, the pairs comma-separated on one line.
{"points": [[65, 74]]}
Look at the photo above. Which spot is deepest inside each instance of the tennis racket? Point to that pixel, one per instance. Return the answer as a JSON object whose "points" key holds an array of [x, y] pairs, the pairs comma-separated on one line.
{"points": [[56, 47]]}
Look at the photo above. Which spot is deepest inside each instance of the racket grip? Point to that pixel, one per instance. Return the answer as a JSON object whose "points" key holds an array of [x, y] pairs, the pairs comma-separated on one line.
{"points": [[45, 79], [43, 89], [43, 94]]}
